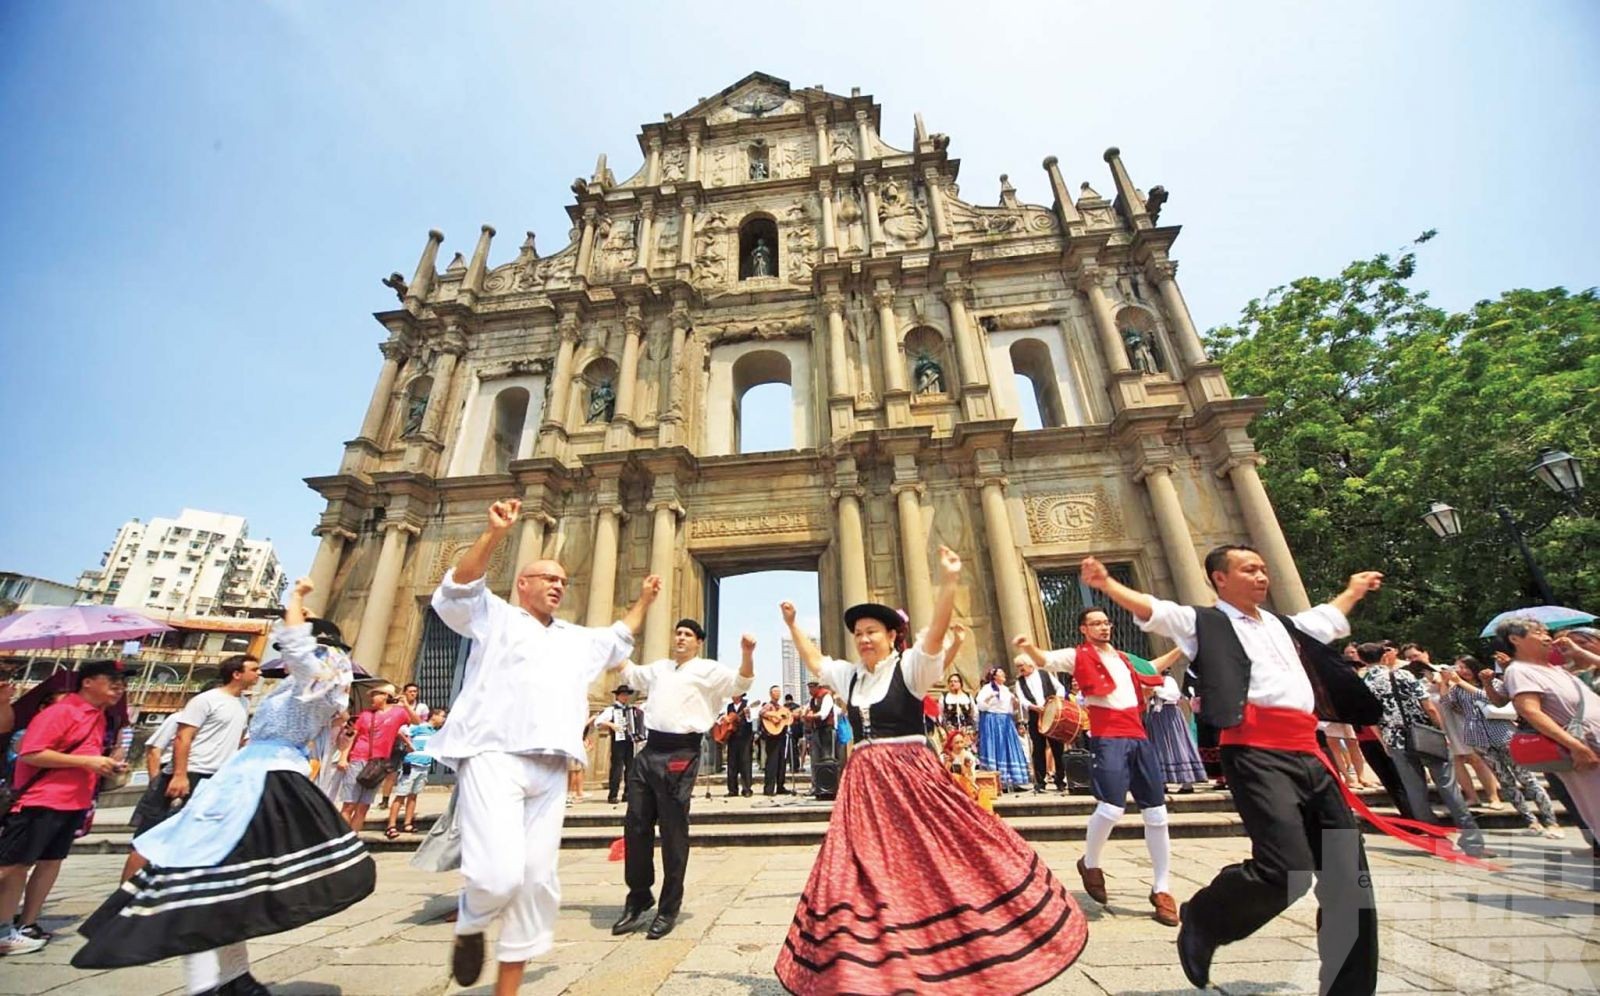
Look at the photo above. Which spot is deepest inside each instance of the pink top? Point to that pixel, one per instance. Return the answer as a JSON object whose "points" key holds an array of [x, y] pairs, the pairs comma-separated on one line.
{"points": [[73, 726], [375, 738]]}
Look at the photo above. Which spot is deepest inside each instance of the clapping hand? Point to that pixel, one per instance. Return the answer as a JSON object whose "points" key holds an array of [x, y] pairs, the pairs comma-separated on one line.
{"points": [[503, 514]]}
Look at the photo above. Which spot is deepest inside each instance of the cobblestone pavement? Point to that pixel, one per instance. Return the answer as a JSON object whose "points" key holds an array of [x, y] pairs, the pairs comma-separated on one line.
{"points": [[1529, 930]]}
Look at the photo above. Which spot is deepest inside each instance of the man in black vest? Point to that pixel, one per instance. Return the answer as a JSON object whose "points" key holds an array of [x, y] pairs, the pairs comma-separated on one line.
{"points": [[1034, 688], [1263, 680]]}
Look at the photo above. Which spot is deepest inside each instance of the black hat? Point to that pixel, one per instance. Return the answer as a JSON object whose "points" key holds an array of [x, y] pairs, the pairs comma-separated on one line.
{"points": [[889, 616], [94, 669], [813, 683], [622, 690], [698, 630]]}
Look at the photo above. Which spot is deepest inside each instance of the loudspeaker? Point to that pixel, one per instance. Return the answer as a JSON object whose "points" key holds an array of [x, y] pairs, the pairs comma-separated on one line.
{"points": [[1078, 764], [825, 779]]}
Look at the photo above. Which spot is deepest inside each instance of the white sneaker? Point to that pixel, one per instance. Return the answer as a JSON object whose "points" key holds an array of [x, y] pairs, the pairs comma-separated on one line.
{"points": [[12, 942]]}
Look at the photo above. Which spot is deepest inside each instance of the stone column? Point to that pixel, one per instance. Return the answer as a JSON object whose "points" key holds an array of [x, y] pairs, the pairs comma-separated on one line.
{"points": [[652, 169], [897, 403], [869, 183], [694, 156], [864, 135], [941, 229], [823, 153], [1163, 273], [1176, 541], [561, 377], [663, 544], [825, 195], [531, 530], [647, 217], [1105, 323], [914, 552], [686, 232], [1288, 591], [382, 393], [451, 347], [326, 565], [586, 243], [968, 354], [603, 564], [633, 327], [1066, 211], [852, 546], [1007, 567], [838, 353], [422, 281], [472, 284], [373, 636]]}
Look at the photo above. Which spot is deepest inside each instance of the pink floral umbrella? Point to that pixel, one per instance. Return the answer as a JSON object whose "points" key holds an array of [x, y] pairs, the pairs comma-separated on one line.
{"points": [[71, 625]]}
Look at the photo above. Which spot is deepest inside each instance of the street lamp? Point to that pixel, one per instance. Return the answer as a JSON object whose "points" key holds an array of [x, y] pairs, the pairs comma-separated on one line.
{"points": [[1556, 469]]}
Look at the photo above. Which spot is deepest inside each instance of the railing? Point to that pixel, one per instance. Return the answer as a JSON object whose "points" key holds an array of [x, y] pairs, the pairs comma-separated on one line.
{"points": [[166, 679]]}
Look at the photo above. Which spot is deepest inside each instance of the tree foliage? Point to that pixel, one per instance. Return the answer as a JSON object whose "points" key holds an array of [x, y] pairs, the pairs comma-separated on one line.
{"points": [[1378, 402]]}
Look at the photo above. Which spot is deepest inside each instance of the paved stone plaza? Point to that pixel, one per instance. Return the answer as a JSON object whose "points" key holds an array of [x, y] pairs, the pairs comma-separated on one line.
{"points": [[1530, 930]]}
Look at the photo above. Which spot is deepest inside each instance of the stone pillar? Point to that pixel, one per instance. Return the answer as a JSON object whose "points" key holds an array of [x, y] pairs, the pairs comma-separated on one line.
{"points": [[824, 155], [531, 530], [864, 135], [1006, 566], [968, 354], [652, 169], [1176, 541], [1163, 273], [393, 355], [896, 397], [628, 376], [1105, 323], [326, 565], [603, 564], [555, 415], [941, 228], [825, 195], [663, 544], [670, 418], [838, 354], [869, 183], [1066, 211], [694, 156], [422, 281], [686, 232], [586, 243], [852, 547], [373, 637], [1288, 591], [1132, 204], [472, 283], [451, 348], [914, 552], [646, 241]]}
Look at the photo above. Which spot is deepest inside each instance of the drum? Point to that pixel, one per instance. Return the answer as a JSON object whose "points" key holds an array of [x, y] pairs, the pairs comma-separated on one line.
{"points": [[1062, 719]]}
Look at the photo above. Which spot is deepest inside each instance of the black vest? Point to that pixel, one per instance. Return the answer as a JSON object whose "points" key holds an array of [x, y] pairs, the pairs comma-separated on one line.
{"points": [[1220, 675], [1047, 687], [897, 714]]}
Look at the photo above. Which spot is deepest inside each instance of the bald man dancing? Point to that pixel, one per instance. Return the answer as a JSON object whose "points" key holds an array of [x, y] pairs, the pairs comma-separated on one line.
{"points": [[518, 719]]}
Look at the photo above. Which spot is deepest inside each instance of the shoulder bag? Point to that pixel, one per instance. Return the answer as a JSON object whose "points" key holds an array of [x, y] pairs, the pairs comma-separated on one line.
{"points": [[1537, 752], [9, 796], [1423, 739], [375, 769]]}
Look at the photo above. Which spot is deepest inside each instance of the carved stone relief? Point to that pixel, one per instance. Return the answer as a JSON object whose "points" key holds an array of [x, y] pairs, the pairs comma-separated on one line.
{"points": [[447, 553], [850, 222], [666, 251], [674, 165], [618, 248], [901, 217], [710, 259], [1072, 517], [844, 145], [757, 524]]}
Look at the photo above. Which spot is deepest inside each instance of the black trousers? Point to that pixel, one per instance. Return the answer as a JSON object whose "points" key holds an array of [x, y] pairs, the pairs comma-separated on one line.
{"points": [[1382, 765], [659, 788], [773, 769], [739, 763], [621, 762], [1299, 825], [1042, 743], [796, 747]]}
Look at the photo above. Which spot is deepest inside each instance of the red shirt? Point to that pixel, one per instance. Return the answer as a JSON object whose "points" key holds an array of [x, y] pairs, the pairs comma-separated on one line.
{"points": [[375, 739], [74, 726]]}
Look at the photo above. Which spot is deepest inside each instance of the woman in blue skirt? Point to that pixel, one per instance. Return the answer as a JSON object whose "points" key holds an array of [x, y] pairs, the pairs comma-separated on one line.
{"points": [[999, 747]]}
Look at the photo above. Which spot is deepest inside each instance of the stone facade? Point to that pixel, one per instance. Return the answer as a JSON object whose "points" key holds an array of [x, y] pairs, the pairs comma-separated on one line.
{"points": [[772, 234]]}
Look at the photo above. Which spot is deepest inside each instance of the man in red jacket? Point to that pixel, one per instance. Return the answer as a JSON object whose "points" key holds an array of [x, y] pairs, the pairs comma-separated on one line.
{"points": [[1124, 758]]}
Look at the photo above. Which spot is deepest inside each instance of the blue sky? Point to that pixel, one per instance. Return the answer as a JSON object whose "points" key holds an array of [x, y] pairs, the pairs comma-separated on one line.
{"points": [[200, 199]]}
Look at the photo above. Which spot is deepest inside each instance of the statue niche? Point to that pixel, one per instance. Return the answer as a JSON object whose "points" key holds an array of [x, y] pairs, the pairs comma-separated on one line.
{"points": [[929, 376], [760, 168], [416, 405], [602, 402], [1139, 339], [758, 247]]}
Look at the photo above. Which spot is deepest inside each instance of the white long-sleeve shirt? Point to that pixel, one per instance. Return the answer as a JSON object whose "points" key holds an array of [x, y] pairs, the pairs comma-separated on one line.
{"points": [[687, 697], [992, 698], [1277, 678], [525, 687]]}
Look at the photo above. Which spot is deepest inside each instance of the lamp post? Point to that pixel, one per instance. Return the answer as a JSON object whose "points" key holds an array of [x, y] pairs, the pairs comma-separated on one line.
{"points": [[1556, 469]]}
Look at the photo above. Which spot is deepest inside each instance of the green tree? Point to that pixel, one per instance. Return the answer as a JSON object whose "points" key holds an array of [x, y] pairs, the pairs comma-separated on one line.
{"points": [[1378, 402]]}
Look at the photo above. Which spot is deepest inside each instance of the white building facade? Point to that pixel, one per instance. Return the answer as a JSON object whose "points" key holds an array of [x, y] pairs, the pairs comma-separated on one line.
{"points": [[200, 563]]}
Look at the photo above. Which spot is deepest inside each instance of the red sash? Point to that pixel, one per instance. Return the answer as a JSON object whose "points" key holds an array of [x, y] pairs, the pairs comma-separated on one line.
{"points": [[1296, 732]]}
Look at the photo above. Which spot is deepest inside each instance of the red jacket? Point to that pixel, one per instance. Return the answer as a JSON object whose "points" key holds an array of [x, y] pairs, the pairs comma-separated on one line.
{"points": [[1089, 671]]}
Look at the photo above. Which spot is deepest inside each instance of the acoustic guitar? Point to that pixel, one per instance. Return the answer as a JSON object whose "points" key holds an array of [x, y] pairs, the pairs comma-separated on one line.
{"points": [[722, 730], [775, 721]]}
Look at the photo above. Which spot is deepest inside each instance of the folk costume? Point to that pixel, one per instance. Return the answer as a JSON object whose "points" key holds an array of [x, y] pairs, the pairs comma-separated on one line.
{"points": [[627, 729], [1124, 760], [684, 700], [1032, 693], [257, 850], [999, 747], [916, 889], [1168, 729]]}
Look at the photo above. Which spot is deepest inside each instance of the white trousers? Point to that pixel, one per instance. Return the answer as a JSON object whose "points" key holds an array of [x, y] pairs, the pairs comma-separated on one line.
{"points": [[206, 970], [510, 808]]}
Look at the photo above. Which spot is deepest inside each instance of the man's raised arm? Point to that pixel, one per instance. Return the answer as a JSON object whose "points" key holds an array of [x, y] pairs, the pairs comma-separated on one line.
{"points": [[475, 562], [634, 617], [1094, 574]]}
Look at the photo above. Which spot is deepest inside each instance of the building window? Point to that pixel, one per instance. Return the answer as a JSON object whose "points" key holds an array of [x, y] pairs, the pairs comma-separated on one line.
{"points": [[1064, 596], [1036, 378], [763, 403]]}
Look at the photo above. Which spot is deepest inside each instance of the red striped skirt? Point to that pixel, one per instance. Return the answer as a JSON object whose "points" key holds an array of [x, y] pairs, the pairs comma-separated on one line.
{"points": [[917, 890]]}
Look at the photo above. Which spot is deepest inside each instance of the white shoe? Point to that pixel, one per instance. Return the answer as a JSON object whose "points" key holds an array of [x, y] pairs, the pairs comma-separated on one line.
{"points": [[13, 942]]}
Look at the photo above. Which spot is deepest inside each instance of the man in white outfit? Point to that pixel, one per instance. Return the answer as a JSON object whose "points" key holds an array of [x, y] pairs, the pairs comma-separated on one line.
{"points": [[517, 721]]}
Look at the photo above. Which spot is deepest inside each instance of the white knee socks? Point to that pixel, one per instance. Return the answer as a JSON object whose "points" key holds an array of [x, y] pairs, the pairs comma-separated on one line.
{"points": [[210, 969], [1158, 841], [1101, 822]]}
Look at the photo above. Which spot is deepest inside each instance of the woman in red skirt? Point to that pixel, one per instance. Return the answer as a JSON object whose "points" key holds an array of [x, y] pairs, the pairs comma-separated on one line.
{"points": [[915, 888]]}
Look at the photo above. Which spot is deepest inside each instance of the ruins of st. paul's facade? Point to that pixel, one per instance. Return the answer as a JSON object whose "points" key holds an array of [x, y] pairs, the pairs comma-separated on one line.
{"points": [[773, 236]]}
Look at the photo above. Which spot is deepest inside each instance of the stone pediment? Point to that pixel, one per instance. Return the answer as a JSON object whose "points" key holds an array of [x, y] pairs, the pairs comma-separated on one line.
{"points": [[758, 95]]}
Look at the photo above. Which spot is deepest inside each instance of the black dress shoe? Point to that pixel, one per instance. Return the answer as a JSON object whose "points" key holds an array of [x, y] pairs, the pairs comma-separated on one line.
{"points": [[466, 959], [661, 926], [1194, 951], [630, 919], [244, 985]]}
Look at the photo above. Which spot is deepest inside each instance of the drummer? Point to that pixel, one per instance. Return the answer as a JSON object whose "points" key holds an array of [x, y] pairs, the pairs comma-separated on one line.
{"points": [[1124, 758], [1035, 691]]}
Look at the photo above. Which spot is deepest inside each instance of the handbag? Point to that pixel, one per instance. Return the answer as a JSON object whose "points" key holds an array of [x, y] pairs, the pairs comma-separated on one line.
{"points": [[1422, 739], [375, 769], [9, 796], [1537, 752]]}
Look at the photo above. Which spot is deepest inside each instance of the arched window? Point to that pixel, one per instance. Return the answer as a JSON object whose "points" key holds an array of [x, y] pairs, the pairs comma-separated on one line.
{"points": [[758, 247], [1137, 331], [927, 363], [416, 408], [597, 394], [505, 436], [763, 403], [1036, 381]]}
